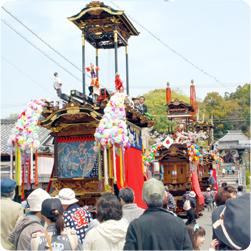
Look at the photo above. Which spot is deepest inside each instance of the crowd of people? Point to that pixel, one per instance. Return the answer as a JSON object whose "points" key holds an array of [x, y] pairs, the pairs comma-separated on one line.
{"points": [[59, 223]]}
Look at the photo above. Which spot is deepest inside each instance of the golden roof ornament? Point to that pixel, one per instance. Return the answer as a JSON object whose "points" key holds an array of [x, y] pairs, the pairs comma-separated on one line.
{"points": [[94, 4]]}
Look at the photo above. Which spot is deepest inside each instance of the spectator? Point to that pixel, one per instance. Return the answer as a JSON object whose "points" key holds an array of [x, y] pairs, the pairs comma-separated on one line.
{"points": [[156, 228], [74, 216], [223, 172], [171, 204], [232, 191], [130, 210], [233, 169], [57, 84], [221, 197], [208, 199], [197, 237], [228, 169], [239, 191], [111, 232], [141, 102], [212, 181], [191, 212], [54, 238], [26, 226], [231, 223], [10, 211]]}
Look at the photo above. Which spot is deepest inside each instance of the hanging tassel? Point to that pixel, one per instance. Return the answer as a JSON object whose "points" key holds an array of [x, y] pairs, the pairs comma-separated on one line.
{"points": [[22, 196], [121, 169], [126, 167], [11, 163], [31, 164], [110, 163], [16, 164], [28, 173], [123, 161], [114, 165], [36, 171], [99, 168], [19, 172], [106, 169]]}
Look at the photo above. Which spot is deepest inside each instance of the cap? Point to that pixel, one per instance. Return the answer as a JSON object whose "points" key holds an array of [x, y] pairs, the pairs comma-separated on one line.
{"points": [[153, 186], [8, 185], [36, 198], [49, 206], [67, 196]]}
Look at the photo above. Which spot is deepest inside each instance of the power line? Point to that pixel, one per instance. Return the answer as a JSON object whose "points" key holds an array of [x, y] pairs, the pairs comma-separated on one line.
{"points": [[39, 49], [41, 39], [26, 75], [209, 75]]}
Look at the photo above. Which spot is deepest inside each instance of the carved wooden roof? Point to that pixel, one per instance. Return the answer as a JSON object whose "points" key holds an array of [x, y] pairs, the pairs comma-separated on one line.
{"points": [[83, 118], [97, 22], [202, 125], [175, 151], [179, 105]]}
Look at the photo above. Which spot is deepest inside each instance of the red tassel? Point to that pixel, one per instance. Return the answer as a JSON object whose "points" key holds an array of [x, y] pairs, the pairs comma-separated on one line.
{"points": [[22, 196], [126, 167], [36, 171], [29, 171]]}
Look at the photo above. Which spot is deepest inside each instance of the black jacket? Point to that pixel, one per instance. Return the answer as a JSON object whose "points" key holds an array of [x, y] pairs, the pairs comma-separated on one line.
{"points": [[159, 230]]}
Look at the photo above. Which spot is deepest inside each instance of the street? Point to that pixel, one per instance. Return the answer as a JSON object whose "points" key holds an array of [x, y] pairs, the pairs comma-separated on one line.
{"points": [[205, 222]]}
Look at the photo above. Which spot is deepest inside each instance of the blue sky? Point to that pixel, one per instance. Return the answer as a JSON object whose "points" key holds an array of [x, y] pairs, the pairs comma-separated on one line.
{"points": [[213, 36]]}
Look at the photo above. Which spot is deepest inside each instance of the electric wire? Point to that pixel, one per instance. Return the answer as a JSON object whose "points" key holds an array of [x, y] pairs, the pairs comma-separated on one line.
{"points": [[26, 75], [41, 39], [201, 70]]}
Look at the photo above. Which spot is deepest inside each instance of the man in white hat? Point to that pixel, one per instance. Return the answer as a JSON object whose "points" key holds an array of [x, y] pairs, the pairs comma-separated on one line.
{"points": [[20, 237], [190, 196], [75, 217]]}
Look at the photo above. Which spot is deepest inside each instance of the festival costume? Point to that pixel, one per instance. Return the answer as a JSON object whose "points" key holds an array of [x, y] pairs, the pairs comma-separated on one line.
{"points": [[191, 212], [118, 84], [77, 218], [57, 85]]}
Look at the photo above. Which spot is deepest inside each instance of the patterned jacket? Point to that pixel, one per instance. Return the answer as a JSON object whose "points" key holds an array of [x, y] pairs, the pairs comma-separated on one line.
{"points": [[171, 202], [77, 218]]}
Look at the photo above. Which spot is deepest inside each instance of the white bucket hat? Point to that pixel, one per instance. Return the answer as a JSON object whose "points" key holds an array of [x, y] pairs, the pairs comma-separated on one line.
{"points": [[192, 194], [67, 196], [36, 198]]}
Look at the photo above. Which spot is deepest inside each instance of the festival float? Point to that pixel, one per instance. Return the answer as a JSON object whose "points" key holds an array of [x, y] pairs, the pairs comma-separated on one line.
{"points": [[177, 160], [97, 137]]}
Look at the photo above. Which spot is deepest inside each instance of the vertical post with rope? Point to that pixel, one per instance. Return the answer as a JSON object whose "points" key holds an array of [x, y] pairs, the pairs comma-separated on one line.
{"points": [[116, 48], [83, 60], [127, 71], [97, 60]]}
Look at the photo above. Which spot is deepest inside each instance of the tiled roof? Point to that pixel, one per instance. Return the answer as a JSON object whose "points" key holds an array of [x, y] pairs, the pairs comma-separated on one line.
{"points": [[234, 136], [8, 124]]}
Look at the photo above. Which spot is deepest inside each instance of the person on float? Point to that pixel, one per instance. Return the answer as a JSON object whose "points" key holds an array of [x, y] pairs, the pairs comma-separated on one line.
{"points": [[141, 102], [118, 83], [57, 84]]}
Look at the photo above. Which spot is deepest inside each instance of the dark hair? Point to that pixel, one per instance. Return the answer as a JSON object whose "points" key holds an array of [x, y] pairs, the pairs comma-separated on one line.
{"points": [[164, 205], [109, 208], [127, 194], [194, 234], [224, 184], [142, 97], [6, 195], [230, 189], [188, 188], [32, 212], [58, 219], [240, 188], [221, 197], [55, 74]]}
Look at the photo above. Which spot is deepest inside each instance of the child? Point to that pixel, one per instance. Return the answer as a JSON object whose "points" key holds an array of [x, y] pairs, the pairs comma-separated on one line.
{"points": [[197, 236]]}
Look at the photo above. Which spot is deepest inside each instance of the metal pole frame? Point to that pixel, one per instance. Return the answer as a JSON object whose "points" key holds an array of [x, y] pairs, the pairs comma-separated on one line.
{"points": [[116, 48], [127, 71], [83, 61]]}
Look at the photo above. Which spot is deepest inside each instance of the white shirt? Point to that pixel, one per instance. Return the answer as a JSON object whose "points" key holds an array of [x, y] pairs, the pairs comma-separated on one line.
{"points": [[57, 82]]}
